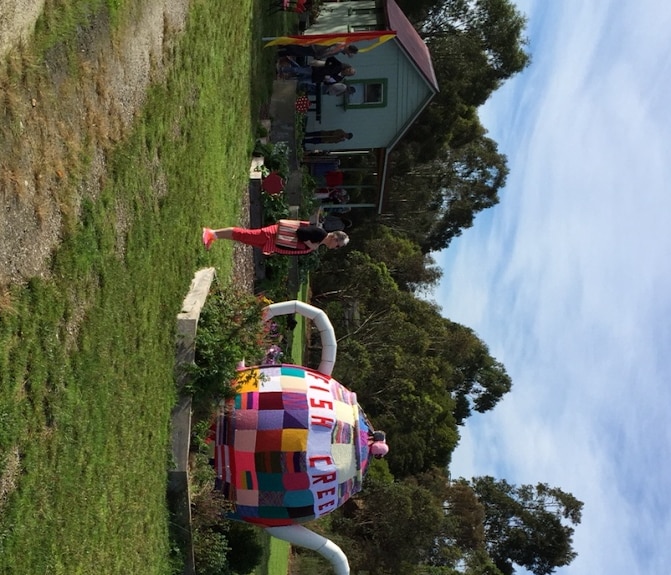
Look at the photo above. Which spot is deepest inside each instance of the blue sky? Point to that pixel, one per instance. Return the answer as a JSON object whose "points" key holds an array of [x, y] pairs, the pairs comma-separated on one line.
{"points": [[568, 279]]}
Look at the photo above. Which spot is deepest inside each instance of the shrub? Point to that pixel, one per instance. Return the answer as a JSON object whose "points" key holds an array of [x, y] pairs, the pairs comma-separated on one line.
{"points": [[230, 330], [245, 551], [222, 546], [209, 549], [209, 528], [275, 207], [275, 156]]}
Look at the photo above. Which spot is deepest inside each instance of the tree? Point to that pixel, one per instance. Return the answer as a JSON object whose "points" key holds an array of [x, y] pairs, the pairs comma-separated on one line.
{"points": [[418, 374], [245, 552], [357, 276], [475, 46], [468, 517], [396, 522], [477, 380], [527, 525], [471, 178], [411, 269], [434, 202], [418, 10], [495, 28], [461, 538]]}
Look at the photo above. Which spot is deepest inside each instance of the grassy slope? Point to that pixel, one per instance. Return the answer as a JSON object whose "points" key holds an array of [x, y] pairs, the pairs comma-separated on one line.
{"points": [[86, 358]]}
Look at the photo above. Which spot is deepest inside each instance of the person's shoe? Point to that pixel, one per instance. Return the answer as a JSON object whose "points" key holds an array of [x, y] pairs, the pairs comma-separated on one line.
{"points": [[208, 238]]}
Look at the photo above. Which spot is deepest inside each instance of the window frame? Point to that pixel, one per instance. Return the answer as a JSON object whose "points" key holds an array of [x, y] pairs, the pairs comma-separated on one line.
{"points": [[365, 105]]}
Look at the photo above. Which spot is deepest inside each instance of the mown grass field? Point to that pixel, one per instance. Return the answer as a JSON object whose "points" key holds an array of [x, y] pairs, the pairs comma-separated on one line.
{"points": [[87, 355], [275, 556]]}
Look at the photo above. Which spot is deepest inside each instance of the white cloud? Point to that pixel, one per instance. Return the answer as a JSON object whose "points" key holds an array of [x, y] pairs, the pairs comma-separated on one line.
{"points": [[567, 279]]}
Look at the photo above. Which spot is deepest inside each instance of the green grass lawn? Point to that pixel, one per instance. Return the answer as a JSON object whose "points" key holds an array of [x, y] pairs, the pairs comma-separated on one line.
{"points": [[275, 556], [278, 563], [299, 335], [87, 355]]}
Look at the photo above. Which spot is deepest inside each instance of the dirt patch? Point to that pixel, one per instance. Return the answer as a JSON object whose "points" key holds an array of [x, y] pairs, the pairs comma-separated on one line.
{"points": [[11, 469], [17, 20], [244, 273]]}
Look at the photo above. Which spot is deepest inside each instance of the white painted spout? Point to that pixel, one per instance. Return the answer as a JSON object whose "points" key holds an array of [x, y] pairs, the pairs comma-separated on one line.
{"points": [[321, 322], [299, 535]]}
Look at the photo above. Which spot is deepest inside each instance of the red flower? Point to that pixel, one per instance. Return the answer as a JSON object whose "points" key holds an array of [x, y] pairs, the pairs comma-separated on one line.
{"points": [[302, 104]]}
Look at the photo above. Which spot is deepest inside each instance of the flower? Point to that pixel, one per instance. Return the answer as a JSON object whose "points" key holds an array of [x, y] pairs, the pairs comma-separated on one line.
{"points": [[302, 104], [273, 355]]}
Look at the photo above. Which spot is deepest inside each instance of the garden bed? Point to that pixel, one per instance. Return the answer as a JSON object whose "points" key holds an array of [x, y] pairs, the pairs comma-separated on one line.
{"points": [[179, 499]]}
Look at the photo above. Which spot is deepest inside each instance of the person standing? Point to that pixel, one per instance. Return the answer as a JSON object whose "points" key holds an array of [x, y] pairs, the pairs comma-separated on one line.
{"points": [[327, 137], [287, 237], [318, 51], [329, 71], [336, 89]]}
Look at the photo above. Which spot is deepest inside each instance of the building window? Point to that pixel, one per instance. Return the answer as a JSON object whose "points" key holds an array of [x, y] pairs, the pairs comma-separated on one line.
{"points": [[368, 93]]}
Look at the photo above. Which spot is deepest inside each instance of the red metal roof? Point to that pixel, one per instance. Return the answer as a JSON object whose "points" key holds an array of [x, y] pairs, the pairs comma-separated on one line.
{"points": [[411, 41]]}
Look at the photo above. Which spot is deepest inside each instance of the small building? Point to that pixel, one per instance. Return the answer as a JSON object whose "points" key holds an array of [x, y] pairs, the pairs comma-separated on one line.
{"points": [[394, 81]]}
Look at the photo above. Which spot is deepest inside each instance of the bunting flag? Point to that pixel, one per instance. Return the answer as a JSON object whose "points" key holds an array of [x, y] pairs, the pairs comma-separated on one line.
{"points": [[337, 38], [380, 40]]}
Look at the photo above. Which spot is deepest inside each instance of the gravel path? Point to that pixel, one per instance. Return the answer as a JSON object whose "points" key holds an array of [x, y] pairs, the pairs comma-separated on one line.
{"points": [[17, 19], [30, 223]]}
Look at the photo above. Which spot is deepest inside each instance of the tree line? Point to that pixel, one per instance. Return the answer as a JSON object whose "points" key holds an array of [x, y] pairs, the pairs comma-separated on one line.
{"points": [[418, 374], [446, 167]]}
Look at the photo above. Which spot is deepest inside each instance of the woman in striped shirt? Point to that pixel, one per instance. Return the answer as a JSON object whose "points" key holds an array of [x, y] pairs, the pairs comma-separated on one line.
{"points": [[287, 237]]}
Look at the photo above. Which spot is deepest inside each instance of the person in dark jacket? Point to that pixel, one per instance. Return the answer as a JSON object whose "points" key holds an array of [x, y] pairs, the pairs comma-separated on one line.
{"points": [[317, 51], [327, 137], [336, 89], [329, 71]]}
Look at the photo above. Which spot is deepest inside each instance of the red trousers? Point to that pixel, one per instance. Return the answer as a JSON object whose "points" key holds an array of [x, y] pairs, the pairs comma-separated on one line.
{"points": [[258, 238]]}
